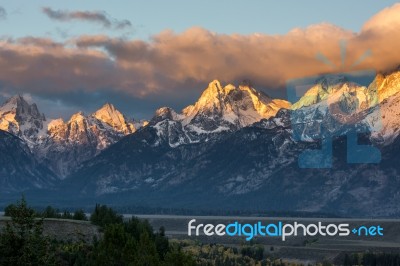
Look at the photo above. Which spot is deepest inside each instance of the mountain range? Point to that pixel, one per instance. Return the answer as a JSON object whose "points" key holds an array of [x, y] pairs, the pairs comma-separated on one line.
{"points": [[60, 145], [235, 148]]}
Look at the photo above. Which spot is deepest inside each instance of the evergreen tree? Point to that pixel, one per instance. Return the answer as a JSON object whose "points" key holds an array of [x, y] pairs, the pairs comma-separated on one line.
{"points": [[102, 216], [80, 215], [22, 241], [162, 244], [146, 251], [176, 257], [50, 212], [7, 210]]}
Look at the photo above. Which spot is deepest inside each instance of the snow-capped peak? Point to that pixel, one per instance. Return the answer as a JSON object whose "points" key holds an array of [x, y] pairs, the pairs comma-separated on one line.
{"points": [[219, 109], [330, 81], [19, 117], [240, 106], [212, 97], [54, 124], [79, 116], [167, 113], [385, 85], [114, 118], [330, 90], [19, 106], [13, 103], [82, 137]]}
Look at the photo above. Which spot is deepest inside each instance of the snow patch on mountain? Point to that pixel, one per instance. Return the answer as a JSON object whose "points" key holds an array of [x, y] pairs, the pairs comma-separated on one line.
{"points": [[70, 143], [63, 146], [219, 109], [239, 106], [22, 119], [384, 120]]}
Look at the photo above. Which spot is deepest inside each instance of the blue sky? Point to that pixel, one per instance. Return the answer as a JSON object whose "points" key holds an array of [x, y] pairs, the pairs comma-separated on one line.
{"points": [[172, 49], [25, 18]]}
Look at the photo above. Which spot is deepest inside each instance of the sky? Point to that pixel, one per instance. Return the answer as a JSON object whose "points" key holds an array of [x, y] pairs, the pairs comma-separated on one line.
{"points": [[76, 55]]}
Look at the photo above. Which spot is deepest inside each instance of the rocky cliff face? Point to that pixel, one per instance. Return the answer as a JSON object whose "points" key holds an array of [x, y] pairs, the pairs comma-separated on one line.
{"points": [[19, 169], [257, 165], [63, 146], [235, 146], [218, 110], [22, 119], [70, 143]]}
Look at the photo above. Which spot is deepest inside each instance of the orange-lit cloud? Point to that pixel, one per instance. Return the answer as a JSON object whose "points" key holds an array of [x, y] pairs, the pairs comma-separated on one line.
{"points": [[170, 61]]}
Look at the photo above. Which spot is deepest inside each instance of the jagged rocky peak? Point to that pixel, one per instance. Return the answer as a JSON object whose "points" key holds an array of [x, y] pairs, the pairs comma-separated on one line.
{"points": [[55, 123], [114, 118], [240, 106], [60, 130], [385, 84], [213, 97], [20, 118], [16, 100], [331, 89], [21, 108], [165, 113], [77, 117], [329, 81], [218, 109], [56, 129], [81, 137], [262, 103], [79, 129]]}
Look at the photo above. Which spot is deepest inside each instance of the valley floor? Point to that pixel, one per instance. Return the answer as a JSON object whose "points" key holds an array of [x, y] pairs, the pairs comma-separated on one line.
{"points": [[299, 249]]}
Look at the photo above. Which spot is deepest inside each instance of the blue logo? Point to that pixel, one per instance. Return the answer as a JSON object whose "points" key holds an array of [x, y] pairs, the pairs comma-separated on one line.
{"points": [[333, 105], [281, 229], [368, 231]]}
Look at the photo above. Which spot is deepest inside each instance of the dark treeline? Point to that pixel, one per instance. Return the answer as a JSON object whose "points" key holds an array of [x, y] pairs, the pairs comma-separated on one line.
{"points": [[194, 211], [123, 242], [50, 212], [131, 242], [217, 212]]}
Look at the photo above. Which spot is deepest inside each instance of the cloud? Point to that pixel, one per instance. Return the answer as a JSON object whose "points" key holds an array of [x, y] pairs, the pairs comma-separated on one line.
{"points": [[386, 20], [3, 13], [201, 55], [100, 17], [172, 68]]}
